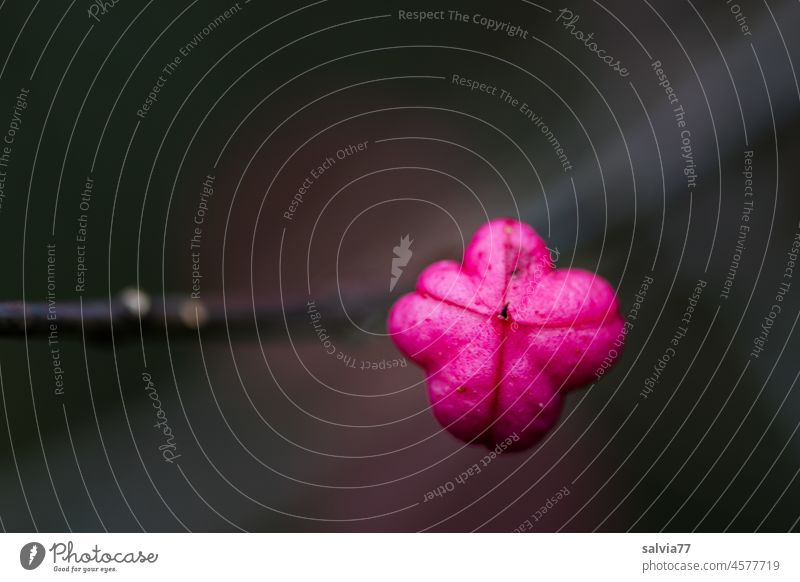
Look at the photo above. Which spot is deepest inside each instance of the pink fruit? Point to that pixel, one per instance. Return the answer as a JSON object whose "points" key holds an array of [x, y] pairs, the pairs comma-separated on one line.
{"points": [[503, 335]]}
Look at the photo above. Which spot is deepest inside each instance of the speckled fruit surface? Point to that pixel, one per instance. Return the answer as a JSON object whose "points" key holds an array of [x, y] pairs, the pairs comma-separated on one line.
{"points": [[503, 335]]}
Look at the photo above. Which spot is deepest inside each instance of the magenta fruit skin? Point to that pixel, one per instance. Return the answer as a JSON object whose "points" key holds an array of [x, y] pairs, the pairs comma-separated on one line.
{"points": [[502, 336]]}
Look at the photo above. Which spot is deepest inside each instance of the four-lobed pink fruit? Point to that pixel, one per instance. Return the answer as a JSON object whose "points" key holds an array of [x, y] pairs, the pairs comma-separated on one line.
{"points": [[503, 335]]}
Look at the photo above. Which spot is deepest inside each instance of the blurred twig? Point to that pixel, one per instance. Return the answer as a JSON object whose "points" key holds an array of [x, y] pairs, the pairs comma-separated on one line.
{"points": [[132, 312]]}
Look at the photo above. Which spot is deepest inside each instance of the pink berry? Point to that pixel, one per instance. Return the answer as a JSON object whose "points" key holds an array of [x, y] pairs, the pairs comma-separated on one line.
{"points": [[503, 335]]}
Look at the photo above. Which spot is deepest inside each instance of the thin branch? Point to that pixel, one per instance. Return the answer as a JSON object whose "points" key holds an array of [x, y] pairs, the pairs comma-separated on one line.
{"points": [[177, 315]]}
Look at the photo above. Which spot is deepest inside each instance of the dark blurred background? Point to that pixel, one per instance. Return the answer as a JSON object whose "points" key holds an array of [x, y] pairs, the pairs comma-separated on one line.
{"points": [[272, 433]]}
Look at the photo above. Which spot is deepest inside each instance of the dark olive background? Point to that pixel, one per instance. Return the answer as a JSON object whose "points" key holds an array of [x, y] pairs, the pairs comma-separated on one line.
{"points": [[261, 437]]}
